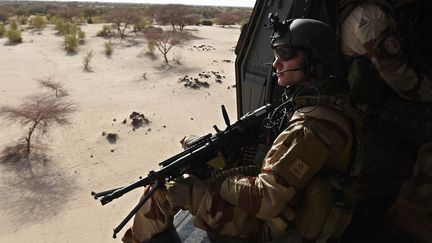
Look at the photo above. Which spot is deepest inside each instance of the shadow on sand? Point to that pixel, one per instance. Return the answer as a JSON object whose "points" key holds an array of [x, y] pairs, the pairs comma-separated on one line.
{"points": [[33, 189]]}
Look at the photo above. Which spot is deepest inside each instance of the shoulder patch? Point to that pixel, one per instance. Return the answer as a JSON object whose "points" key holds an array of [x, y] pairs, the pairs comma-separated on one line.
{"points": [[298, 168]]}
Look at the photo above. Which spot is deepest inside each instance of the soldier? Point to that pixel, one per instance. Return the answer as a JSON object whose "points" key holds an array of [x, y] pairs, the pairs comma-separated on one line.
{"points": [[293, 197], [389, 71], [372, 31]]}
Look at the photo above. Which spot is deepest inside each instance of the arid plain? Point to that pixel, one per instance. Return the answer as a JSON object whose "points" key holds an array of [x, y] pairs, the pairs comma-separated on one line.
{"points": [[54, 204]]}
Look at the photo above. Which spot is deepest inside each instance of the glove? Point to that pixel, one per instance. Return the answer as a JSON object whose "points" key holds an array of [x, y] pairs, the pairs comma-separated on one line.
{"points": [[187, 140], [186, 193]]}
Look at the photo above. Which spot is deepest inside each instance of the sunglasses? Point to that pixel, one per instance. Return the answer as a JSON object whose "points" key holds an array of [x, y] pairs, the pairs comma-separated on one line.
{"points": [[285, 53]]}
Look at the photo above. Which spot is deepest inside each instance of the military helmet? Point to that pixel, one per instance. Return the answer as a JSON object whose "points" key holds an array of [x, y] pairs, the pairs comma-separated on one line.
{"points": [[308, 34]]}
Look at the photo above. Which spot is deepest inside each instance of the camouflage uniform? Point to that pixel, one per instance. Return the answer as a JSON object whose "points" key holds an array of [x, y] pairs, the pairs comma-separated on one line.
{"points": [[370, 32], [379, 62], [315, 138]]}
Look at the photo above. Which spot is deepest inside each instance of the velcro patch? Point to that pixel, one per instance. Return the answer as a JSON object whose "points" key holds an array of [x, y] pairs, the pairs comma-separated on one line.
{"points": [[299, 168], [392, 45]]}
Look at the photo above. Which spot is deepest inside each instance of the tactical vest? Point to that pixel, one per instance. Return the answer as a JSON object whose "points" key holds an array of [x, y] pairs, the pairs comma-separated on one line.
{"points": [[327, 203]]}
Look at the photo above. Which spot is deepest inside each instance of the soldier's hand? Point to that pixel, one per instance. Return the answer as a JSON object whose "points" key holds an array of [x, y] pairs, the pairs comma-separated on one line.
{"points": [[185, 142], [186, 194]]}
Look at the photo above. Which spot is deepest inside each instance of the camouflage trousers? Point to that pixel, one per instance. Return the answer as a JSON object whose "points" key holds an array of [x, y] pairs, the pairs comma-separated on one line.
{"points": [[211, 212]]}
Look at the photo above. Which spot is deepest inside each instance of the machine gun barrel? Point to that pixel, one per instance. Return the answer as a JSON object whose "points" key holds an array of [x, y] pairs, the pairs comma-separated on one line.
{"points": [[194, 159]]}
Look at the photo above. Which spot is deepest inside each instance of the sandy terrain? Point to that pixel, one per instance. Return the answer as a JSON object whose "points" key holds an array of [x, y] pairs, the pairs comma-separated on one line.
{"points": [[55, 204]]}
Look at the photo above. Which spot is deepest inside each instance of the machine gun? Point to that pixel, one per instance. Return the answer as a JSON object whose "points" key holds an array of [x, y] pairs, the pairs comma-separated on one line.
{"points": [[198, 159]]}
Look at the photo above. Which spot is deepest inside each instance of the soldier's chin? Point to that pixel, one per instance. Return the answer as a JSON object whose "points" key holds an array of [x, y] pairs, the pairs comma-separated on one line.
{"points": [[282, 81]]}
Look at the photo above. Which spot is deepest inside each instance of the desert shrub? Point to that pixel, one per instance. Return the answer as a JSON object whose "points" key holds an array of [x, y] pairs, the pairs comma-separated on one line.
{"points": [[13, 25], [64, 27], [81, 35], [108, 48], [60, 25], [2, 30], [54, 20], [22, 20], [207, 22], [151, 46], [105, 32], [90, 20], [96, 19], [37, 21], [77, 21], [152, 29], [14, 36], [143, 24], [87, 59], [70, 42]]}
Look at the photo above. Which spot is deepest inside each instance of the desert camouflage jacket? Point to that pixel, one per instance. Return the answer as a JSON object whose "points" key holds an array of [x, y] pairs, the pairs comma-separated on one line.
{"points": [[316, 138], [369, 32]]}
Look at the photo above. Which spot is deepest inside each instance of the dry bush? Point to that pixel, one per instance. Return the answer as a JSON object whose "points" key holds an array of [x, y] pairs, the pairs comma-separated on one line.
{"points": [[105, 32], [70, 42], [108, 48], [144, 23], [13, 25], [81, 35], [38, 113], [207, 22], [2, 30], [175, 15], [54, 86], [122, 18], [14, 36], [226, 18], [166, 40], [22, 20], [72, 36], [37, 22], [87, 59], [66, 12]]}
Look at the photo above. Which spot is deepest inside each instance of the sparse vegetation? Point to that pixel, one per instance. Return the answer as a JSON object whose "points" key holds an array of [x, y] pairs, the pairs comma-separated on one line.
{"points": [[72, 36], [207, 22], [37, 22], [2, 30], [54, 86], [121, 19], [13, 25], [38, 113], [14, 36], [70, 42], [108, 48], [105, 32], [176, 15], [226, 18], [166, 40], [151, 47], [87, 59], [81, 35], [22, 20]]}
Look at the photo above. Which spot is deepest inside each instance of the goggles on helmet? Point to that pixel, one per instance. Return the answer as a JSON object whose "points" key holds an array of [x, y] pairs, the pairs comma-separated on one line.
{"points": [[285, 53]]}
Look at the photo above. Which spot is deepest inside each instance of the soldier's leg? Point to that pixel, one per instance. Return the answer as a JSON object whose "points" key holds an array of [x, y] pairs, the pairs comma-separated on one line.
{"points": [[153, 222]]}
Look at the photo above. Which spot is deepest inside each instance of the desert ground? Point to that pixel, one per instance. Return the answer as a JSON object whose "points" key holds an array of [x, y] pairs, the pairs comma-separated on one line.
{"points": [[54, 203]]}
